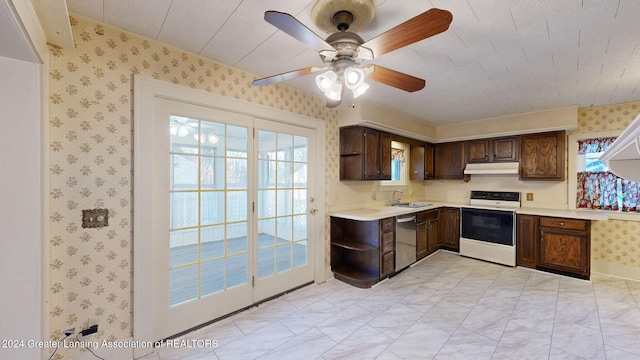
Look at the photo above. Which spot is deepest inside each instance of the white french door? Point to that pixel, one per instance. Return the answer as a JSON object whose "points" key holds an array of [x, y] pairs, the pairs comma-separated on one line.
{"points": [[232, 204]]}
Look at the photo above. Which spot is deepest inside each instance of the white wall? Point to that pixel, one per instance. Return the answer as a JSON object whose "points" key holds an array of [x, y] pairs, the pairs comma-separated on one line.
{"points": [[21, 207]]}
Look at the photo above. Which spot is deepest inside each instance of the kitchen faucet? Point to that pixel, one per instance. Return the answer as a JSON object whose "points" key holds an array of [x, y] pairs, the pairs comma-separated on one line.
{"points": [[394, 202]]}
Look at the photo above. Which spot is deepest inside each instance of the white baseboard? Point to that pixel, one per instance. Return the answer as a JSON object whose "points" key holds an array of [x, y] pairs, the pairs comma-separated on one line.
{"points": [[617, 270]]}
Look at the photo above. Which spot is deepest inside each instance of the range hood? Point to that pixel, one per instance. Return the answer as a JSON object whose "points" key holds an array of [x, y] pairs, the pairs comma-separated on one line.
{"points": [[623, 156], [500, 168]]}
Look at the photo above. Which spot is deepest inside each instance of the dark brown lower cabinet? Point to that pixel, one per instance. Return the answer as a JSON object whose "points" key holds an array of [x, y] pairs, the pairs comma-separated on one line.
{"points": [[555, 244], [565, 245], [526, 232], [426, 233], [362, 252], [450, 228]]}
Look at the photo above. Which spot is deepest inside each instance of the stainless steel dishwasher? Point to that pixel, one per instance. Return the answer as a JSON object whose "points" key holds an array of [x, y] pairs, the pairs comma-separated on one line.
{"points": [[405, 241]]}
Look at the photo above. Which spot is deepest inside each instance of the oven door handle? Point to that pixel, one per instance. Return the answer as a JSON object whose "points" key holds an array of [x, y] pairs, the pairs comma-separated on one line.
{"points": [[480, 207]]}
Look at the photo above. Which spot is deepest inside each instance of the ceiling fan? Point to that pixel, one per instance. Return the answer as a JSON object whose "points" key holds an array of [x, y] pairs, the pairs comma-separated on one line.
{"points": [[344, 52]]}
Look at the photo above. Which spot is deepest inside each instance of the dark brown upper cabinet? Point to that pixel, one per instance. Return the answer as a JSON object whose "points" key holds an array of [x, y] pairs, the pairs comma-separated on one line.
{"points": [[542, 156], [493, 150], [429, 161], [450, 160], [365, 154], [416, 163]]}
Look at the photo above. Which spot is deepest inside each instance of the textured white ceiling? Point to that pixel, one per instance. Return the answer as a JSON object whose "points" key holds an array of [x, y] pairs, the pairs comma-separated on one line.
{"points": [[499, 57]]}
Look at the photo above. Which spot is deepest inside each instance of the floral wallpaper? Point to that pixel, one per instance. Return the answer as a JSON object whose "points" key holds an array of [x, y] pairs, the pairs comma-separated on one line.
{"points": [[612, 241], [91, 163]]}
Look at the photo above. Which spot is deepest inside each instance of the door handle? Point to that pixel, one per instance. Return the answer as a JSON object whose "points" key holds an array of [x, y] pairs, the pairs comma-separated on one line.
{"points": [[313, 211]]}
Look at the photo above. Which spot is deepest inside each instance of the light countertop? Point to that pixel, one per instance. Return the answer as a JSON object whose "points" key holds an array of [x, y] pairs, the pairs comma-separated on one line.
{"points": [[571, 214], [380, 212], [385, 211]]}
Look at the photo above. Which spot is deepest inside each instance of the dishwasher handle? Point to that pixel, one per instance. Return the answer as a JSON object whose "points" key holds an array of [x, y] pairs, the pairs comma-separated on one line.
{"points": [[405, 219]]}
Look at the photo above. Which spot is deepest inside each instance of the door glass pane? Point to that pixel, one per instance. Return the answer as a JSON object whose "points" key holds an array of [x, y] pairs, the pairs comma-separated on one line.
{"points": [[184, 209], [237, 143], [266, 262], [299, 253], [266, 233], [184, 172], [212, 138], [284, 258], [181, 130], [212, 204], [212, 276], [183, 247], [237, 272], [266, 203], [183, 282], [285, 147], [236, 238], [236, 206], [236, 173], [300, 149], [212, 173], [284, 202], [209, 243]]}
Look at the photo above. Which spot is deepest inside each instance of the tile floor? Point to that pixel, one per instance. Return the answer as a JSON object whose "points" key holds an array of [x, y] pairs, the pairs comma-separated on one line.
{"points": [[445, 307]]}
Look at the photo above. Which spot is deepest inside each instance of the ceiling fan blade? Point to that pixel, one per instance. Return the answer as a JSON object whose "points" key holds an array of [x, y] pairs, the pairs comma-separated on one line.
{"points": [[296, 29], [429, 23], [286, 76], [396, 79]]}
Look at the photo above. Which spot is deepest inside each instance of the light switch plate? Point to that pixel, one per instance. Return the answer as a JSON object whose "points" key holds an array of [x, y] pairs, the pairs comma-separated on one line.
{"points": [[95, 218]]}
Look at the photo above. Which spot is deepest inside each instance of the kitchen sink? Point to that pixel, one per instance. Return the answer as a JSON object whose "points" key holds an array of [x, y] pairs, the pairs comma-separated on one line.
{"points": [[413, 205]]}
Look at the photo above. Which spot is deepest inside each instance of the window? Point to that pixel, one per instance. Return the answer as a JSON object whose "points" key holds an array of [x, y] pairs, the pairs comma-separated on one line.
{"points": [[597, 187], [399, 172]]}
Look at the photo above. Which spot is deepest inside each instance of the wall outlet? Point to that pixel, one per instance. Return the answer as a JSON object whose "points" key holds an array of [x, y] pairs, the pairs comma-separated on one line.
{"points": [[529, 196]]}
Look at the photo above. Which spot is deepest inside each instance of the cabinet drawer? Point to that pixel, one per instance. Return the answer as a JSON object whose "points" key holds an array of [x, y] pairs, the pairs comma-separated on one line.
{"points": [[387, 242], [387, 263], [426, 215], [562, 223], [387, 225]]}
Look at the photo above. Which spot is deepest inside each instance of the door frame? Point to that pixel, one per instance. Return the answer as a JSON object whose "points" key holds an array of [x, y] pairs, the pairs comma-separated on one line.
{"points": [[145, 92]]}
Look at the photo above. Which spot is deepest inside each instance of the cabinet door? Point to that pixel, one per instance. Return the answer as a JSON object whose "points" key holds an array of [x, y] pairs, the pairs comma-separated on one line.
{"points": [[564, 251], [421, 240], [429, 167], [416, 163], [542, 156], [480, 151], [384, 163], [432, 236], [450, 160], [371, 154], [450, 228], [526, 239], [505, 149]]}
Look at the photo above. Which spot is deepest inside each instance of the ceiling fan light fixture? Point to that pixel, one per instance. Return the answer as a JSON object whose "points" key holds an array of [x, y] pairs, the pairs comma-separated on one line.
{"points": [[326, 80], [360, 90], [353, 77]]}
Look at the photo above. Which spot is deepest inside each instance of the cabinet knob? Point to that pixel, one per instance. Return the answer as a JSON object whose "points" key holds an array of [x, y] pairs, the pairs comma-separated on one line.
{"points": [[561, 223], [486, 156]]}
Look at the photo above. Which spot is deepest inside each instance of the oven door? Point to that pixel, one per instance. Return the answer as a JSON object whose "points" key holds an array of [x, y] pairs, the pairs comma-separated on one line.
{"points": [[494, 226]]}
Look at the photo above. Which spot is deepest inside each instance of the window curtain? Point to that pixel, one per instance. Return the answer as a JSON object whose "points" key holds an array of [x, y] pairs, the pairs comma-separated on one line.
{"points": [[594, 145], [604, 190], [397, 154]]}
